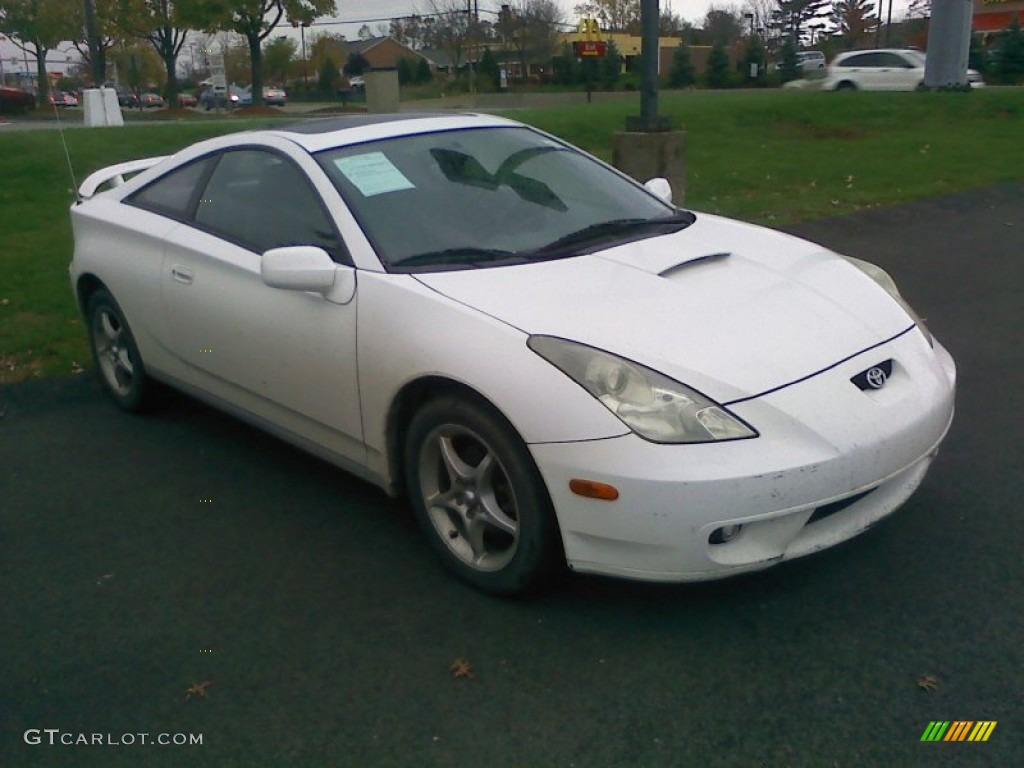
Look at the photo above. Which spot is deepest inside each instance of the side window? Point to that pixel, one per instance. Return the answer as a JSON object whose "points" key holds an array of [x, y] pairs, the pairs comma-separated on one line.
{"points": [[261, 200], [860, 60], [172, 195], [893, 61]]}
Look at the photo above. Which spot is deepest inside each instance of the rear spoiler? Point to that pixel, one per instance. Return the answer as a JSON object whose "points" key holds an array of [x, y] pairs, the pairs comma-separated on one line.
{"points": [[115, 175]]}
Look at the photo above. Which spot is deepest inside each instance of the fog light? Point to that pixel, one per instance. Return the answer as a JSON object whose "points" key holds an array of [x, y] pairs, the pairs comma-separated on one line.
{"points": [[724, 534]]}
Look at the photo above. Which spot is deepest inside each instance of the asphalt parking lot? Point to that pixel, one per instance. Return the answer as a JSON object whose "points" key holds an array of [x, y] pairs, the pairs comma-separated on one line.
{"points": [[143, 557]]}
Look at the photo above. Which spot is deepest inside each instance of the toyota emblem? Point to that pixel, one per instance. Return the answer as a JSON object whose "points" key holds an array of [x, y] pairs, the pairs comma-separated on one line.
{"points": [[875, 377]]}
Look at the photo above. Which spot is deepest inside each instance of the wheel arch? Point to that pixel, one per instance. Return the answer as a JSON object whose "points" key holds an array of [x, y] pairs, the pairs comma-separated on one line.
{"points": [[409, 399], [86, 285]]}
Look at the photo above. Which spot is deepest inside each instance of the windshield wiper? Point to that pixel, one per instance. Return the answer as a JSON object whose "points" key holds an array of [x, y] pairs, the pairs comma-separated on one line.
{"points": [[460, 257], [604, 231]]}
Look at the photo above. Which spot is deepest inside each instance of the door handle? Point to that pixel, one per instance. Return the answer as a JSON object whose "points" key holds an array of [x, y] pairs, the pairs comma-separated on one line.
{"points": [[182, 275]]}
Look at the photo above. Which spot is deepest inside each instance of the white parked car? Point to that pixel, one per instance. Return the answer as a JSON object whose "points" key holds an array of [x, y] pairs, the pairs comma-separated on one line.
{"points": [[890, 69], [553, 362]]}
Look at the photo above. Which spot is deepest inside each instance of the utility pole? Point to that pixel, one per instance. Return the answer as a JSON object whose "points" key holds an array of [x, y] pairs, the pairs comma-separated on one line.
{"points": [[649, 148], [98, 75]]}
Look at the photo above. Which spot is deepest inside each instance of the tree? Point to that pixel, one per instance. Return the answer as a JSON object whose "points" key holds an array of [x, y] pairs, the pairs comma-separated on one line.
{"points": [[792, 17], [755, 55], [613, 15], [681, 75], [564, 66], [489, 70], [450, 30], [610, 66], [364, 32], [718, 74], [159, 23], [139, 65], [278, 56], [1010, 61], [355, 65], [38, 27], [254, 20], [723, 26], [671, 23], [327, 80], [855, 20], [404, 71], [97, 35], [423, 73], [790, 67], [532, 29]]}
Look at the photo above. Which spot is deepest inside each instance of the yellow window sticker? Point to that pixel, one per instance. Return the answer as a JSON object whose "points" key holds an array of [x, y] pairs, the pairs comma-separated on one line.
{"points": [[373, 174]]}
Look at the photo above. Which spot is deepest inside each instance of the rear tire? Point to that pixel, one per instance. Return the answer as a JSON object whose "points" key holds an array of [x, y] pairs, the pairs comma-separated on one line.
{"points": [[118, 363], [480, 499], [846, 85]]}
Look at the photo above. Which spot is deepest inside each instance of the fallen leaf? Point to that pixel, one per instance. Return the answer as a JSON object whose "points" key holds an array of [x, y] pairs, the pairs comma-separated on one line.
{"points": [[928, 683], [197, 689], [76, 368], [461, 668]]}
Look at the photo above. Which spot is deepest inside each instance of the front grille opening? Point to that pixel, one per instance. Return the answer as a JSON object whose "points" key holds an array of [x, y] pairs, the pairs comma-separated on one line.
{"points": [[836, 506]]}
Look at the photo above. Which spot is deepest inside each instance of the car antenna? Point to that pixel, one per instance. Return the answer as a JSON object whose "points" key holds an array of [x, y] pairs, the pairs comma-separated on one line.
{"points": [[67, 154]]}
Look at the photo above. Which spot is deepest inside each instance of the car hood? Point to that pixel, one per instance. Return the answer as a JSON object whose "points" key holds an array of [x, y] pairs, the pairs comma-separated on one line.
{"points": [[731, 309]]}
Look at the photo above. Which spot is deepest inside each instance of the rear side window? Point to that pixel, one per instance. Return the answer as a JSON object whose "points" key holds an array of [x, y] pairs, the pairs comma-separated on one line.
{"points": [[174, 194]]}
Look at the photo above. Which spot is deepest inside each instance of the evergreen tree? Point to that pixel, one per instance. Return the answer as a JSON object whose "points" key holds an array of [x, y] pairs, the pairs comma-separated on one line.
{"points": [[755, 55], [611, 67], [681, 75], [718, 75], [1010, 62], [423, 73], [789, 69], [328, 78], [404, 71], [490, 73]]}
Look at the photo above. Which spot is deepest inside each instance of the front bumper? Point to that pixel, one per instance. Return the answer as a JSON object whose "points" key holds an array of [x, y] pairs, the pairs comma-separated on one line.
{"points": [[822, 441]]}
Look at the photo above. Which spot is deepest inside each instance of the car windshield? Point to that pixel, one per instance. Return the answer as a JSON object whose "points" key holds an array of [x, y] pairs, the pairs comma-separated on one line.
{"points": [[489, 197]]}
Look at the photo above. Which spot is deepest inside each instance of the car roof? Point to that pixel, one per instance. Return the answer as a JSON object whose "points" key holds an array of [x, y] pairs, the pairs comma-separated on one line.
{"points": [[320, 134]]}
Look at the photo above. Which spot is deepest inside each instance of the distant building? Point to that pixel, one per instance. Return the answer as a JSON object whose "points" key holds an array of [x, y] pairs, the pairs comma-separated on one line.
{"points": [[384, 52], [996, 15]]}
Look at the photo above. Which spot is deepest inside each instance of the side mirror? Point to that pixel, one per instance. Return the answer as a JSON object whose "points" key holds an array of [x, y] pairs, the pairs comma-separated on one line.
{"points": [[308, 268], [661, 188]]}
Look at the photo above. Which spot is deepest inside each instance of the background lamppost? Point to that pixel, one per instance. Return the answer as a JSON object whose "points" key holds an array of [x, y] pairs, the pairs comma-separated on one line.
{"points": [[302, 34]]}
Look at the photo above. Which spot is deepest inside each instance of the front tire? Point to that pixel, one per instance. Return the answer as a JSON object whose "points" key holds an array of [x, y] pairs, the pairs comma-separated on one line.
{"points": [[115, 355], [480, 499]]}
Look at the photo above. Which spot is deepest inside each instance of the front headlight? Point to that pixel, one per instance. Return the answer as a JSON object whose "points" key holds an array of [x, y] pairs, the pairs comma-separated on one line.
{"points": [[882, 277], [654, 406]]}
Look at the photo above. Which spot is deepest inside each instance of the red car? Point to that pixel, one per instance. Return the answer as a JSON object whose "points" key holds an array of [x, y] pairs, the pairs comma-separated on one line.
{"points": [[16, 100], [187, 100]]}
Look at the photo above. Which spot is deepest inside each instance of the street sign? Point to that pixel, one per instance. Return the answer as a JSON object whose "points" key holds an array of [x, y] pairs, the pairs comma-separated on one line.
{"points": [[217, 76]]}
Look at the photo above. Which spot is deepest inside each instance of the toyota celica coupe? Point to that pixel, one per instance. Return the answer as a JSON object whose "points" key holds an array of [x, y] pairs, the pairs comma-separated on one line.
{"points": [[551, 361]]}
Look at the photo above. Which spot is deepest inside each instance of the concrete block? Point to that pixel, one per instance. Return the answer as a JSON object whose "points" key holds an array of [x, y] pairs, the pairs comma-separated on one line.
{"points": [[645, 156], [381, 91]]}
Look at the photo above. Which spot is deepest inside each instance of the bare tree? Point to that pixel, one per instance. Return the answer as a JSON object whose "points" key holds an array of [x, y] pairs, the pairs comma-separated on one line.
{"points": [[855, 21], [613, 15], [451, 30]]}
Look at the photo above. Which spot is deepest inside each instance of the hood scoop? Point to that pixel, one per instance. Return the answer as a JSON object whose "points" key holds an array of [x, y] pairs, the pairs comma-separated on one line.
{"points": [[669, 271]]}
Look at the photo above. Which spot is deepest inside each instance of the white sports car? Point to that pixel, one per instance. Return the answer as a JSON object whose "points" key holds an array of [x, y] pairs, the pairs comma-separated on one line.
{"points": [[552, 361]]}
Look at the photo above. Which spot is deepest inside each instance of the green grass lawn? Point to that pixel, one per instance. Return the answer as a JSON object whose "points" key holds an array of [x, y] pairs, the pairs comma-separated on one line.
{"points": [[772, 157]]}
